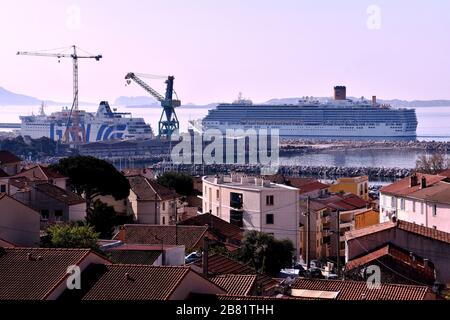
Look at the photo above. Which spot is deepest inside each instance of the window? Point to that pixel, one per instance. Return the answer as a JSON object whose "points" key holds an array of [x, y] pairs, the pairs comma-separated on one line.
{"points": [[237, 218], [269, 219], [435, 210], [45, 214], [217, 194], [164, 220], [164, 206], [402, 204], [206, 190], [269, 200], [421, 208], [393, 200], [366, 186], [414, 206], [218, 211], [236, 200], [3, 188], [58, 215]]}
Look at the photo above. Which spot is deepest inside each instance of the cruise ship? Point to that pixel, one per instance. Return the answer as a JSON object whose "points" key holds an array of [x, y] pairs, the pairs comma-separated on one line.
{"points": [[340, 117], [105, 124]]}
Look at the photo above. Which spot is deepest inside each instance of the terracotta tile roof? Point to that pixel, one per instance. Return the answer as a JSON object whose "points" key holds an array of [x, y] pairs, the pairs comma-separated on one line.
{"points": [[39, 173], [146, 189], [403, 187], [221, 265], [401, 225], [306, 186], [3, 174], [236, 284], [219, 227], [59, 194], [147, 257], [445, 173], [7, 157], [424, 231], [6, 244], [345, 202], [189, 236], [229, 297], [313, 205], [401, 258], [136, 283], [20, 183], [437, 193], [358, 290], [33, 274]]}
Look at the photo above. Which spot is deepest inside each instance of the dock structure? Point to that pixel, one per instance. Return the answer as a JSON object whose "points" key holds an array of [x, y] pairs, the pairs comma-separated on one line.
{"points": [[10, 125]]}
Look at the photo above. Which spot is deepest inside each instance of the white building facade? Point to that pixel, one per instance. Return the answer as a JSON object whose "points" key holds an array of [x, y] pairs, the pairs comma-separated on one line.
{"points": [[254, 204]]}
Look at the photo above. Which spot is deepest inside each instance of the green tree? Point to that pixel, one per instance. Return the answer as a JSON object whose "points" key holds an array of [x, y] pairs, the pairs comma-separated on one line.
{"points": [[265, 253], [72, 236], [103, 219], [180, 182], [91, 177]]}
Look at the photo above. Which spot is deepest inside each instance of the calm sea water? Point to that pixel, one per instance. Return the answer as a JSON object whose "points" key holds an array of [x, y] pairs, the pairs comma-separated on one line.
{"points": [[434, 124]]}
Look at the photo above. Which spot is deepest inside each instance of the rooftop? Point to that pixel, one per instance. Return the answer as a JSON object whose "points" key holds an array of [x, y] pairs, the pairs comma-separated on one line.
{"points": [[135, 282], [220, 227], [39, 173], [236, 284], [150, 190], [401, 225], [33, 273], [189, 236], [409, 187], [243, 182], [7, 157], [221, 265], [59, 194], [358, 290]]}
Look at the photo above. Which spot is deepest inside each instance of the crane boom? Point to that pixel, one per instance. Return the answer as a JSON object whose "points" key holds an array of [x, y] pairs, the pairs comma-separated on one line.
{"points": [[146, 87], [78, 133], [168, 123]]}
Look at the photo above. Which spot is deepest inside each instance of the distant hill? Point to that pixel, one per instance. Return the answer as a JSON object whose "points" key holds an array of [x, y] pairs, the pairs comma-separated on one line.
{"points": [[9, 98], [136, 101]]}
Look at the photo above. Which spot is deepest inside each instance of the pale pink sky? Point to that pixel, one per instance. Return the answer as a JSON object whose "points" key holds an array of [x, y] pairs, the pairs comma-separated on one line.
{"points": [[266, 49]]}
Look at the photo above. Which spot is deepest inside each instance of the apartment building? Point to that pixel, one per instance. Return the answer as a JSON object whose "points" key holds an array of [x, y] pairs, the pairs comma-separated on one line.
{"points": [[253, 203]]}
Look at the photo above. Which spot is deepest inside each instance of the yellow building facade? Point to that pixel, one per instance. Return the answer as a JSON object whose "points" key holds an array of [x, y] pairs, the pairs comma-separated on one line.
{"points": [[356, 185]]}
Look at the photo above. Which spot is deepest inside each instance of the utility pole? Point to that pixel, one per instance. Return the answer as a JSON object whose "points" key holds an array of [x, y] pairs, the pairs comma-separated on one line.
{"points": [[338, 243], [308, 224]]}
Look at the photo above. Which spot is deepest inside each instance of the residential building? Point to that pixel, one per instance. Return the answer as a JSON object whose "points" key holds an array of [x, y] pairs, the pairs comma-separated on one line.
{"points": [[144, 254], [358, 186], [420, 241], [9, 163], [108, 282], [253, 203], [55, 205], [40, 173], [19, 223], [191, 237], [40, 273], [422, 199], [397, 266], [309, 187], [358, 290], [151, 203], [219, 265], [218, 229], [323, 213]]}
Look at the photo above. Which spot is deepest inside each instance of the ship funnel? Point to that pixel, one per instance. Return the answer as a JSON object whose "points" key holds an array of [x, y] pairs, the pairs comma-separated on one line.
{"points": [[340, 93], [374, 101]]}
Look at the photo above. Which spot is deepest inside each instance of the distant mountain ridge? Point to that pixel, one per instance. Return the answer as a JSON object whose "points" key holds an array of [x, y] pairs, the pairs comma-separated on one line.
{"points": [[8, 98]]}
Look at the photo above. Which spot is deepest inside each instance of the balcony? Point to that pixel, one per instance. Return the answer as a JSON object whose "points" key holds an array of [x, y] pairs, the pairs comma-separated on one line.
{"points": [[346, 224], [326, 219]]}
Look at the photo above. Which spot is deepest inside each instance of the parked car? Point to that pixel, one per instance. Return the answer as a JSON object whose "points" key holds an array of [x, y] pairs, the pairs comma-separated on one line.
{"points": [[192, 257]]}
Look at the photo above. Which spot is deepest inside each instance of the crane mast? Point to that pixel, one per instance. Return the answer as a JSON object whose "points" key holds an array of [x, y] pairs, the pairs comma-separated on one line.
{"points": [[73, 128], [168, 123]]}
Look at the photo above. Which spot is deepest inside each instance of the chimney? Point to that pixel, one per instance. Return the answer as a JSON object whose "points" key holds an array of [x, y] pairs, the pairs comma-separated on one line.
{"points": [[205, 256], [423, 184], [374, 101], [340, 93], [413, 181]]}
